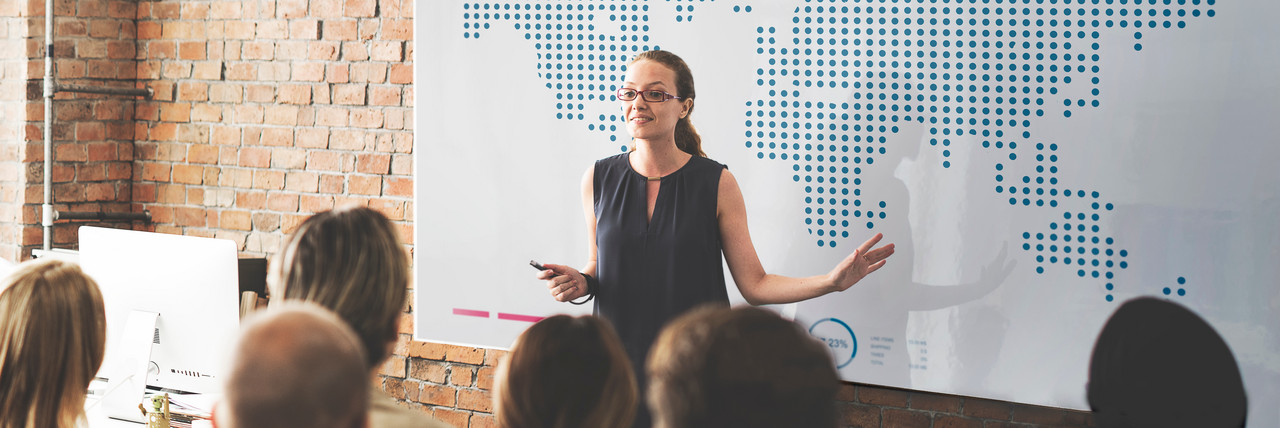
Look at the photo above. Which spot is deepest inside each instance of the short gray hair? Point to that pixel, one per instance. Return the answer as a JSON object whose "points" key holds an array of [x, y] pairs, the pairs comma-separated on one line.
{"points": [[297, 364]]}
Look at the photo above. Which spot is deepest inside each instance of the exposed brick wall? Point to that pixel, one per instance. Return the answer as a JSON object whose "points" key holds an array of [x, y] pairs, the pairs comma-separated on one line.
{"points": [[264, 113], [92, 134], [452, 383], [95, 45], [873, 406], [14, 61]]}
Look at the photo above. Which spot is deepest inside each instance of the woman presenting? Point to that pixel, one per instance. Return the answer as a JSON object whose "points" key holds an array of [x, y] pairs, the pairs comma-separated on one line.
{"points": [[659, 217]]}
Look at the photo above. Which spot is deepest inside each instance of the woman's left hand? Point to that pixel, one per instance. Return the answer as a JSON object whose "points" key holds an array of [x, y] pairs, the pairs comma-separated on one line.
{"points": [[564, 283], [861, 263]]}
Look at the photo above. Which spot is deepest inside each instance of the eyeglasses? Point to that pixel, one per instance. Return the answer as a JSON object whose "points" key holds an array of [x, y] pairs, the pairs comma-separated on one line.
{"points": [[653, 96]]}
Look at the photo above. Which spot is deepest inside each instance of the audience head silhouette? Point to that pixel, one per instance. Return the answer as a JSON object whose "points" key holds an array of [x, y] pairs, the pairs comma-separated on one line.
{"points": [[52, 340], [742, 367], [1157, 364], [296, 365], [566, 372], [350, 261]]}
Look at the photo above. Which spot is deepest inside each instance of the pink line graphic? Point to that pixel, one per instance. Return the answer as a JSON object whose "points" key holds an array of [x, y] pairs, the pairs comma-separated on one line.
{"points": [[517, 317], [471, 313]]}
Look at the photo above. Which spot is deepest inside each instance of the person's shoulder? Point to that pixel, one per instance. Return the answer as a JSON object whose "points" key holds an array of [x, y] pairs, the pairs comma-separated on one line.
{"points": [[616, 164], [385, 413], [707, 166], [613, 160], [706, 162]]}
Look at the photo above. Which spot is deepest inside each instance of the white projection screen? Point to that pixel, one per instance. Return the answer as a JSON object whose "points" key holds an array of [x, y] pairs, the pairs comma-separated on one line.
{"points": [[1036, 163]]}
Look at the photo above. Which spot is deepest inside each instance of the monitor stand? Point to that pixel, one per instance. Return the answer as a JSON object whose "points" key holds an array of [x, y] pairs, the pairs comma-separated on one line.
{"points": [[127, 378]]}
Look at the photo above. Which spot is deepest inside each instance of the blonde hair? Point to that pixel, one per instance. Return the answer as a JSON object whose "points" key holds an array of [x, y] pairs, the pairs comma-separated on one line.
{"points": [[52, 340], [746, 367], [566, 372], [350, 261]]}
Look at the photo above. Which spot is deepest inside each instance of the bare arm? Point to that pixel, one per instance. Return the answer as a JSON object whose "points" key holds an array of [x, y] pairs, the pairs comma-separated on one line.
{"points": [[760, 287], [566, 283]]}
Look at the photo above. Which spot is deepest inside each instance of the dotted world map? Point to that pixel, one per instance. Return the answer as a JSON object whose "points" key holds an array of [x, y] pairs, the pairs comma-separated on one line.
{"points": [[968, 71]]}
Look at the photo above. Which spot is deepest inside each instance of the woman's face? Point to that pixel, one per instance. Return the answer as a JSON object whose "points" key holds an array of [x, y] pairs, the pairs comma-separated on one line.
{"points": [[649, 120]]}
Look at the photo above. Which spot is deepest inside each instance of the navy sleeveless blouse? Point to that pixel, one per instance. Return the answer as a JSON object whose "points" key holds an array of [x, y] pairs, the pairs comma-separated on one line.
{"points": [[652, 271]]}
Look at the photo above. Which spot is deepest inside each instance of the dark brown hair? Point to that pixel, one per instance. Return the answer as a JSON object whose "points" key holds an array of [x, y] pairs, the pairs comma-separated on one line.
{"points": [[350, 261], [744, 367], [687, 139], [1158, 364], [566, 372]]}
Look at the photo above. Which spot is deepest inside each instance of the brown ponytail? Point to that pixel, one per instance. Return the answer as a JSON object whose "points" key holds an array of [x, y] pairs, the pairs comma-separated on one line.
{"points": [[687, 138]]}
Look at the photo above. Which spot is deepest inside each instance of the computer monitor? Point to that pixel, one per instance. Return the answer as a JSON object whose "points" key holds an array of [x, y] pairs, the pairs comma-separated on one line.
{"points": [[189, 283]]}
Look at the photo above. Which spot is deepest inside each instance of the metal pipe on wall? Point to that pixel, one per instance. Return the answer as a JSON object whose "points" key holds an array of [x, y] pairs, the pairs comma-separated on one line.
{"points": [[47, 214], [98, 215], [144, 92], [46, 209]]}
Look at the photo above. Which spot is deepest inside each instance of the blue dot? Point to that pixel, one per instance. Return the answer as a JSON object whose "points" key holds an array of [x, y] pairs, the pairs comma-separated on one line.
{"points": [[1182, 280], [1182, 292], [1109, 298], [1167, 291]]}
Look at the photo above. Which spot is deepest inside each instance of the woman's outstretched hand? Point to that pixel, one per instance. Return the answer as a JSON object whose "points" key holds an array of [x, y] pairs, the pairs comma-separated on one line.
{"points": [[564, 283], [861, 263]]}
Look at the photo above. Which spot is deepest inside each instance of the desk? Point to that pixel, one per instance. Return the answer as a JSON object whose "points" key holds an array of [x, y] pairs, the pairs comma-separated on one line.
{"points": [[98, 419]]}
